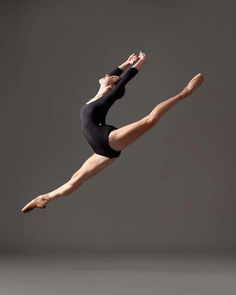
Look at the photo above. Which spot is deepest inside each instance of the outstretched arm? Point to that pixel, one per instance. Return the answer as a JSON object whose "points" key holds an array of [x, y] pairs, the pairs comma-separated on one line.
{"points": [[130, 61], [125, 65], [131, 73]]}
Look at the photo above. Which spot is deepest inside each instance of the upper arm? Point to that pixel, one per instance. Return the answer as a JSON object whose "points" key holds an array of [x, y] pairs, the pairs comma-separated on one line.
{"points": [[130, 74], [117, 71]]}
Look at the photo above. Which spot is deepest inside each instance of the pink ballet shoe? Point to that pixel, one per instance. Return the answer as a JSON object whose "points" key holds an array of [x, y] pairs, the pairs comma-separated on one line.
{"points": [[193, 84], [196, 81], [39, 202]]}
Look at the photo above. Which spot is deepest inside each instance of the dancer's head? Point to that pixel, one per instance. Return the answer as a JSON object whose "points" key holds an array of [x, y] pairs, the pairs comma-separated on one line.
{"points": [[109, 80]]}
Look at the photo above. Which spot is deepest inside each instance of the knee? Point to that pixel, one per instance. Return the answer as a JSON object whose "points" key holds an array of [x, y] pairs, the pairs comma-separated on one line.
{"points": [[152, 119], [76, 181]]}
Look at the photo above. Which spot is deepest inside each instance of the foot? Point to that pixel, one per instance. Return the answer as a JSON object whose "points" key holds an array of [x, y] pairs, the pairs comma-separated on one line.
{"points": [[39, 202], [193, 84]]}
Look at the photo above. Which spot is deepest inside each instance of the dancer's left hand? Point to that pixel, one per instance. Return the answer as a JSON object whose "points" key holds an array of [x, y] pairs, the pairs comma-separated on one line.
{"points": [[132, 59]]}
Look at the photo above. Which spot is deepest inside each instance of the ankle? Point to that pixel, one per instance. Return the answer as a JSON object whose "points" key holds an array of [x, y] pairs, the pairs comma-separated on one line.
{"points": [[47, 197], [185, 92]]}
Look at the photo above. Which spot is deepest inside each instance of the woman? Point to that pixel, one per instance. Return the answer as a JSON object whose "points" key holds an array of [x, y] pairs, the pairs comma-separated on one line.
{"points": [[108, 141]]}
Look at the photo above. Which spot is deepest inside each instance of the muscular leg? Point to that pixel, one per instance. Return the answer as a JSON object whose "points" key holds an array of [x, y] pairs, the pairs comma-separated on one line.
{"points": [[124, 136], [91, 167]]}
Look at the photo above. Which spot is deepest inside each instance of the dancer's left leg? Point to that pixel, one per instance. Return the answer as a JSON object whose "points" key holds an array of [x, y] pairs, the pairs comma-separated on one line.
{"points": [[91, 167]]}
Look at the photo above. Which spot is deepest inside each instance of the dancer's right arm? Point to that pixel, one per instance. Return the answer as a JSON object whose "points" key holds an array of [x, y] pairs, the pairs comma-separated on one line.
{"points": [[130, 74], [132, 71]]}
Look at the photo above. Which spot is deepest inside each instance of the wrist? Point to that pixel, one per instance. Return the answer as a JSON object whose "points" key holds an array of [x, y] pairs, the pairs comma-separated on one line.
{"points": [[124, 66], [127, 63]]}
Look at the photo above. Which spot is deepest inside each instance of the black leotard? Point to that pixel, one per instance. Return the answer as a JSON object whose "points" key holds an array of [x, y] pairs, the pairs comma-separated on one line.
{"points": [[93, 115]]}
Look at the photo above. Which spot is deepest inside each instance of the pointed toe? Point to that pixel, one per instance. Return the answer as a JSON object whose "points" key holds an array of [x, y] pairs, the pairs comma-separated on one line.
{"points": [[39, 202]]}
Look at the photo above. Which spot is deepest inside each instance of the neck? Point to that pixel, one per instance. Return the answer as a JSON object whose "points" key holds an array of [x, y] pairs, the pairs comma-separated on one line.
{"points": [[102, 90]]}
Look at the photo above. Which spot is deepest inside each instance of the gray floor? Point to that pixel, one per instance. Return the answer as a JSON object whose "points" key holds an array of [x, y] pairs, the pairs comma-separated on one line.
{"points": [[117, 274]]}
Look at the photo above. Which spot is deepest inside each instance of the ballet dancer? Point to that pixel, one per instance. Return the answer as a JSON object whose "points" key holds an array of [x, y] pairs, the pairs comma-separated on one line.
{"points": [[107, 141]]}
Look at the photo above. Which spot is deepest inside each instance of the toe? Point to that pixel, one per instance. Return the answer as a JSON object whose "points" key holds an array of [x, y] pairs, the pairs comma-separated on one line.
{"points": [[27, 208], [38, 202]]}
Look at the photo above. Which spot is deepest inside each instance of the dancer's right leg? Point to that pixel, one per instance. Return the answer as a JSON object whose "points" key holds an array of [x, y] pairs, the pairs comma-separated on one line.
{"points": [[124, 136]]}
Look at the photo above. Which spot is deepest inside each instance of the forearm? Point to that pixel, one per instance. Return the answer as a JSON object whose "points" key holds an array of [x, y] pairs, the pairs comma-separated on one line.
{"points": [[124, 66], [139, 63]]}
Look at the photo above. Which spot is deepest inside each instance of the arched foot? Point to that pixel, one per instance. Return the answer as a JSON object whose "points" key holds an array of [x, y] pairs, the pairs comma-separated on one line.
{"points": [[38, 202], [193, 84]]}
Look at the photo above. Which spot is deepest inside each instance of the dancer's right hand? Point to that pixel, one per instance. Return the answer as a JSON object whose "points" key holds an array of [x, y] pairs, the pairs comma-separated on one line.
{"points": [[132, 59], [142, 55]]}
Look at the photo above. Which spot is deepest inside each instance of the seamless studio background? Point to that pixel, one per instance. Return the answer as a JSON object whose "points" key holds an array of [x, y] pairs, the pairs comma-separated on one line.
{"points": [[173, 190]]}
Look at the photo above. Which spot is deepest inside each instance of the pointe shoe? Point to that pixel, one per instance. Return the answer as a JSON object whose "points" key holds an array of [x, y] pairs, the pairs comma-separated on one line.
{"points": [[197, 80], [39, 202], [193, 84]]}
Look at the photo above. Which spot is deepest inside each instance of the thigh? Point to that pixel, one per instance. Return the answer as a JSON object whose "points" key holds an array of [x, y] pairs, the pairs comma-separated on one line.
{"points": [[93, 165], [123, 136]]}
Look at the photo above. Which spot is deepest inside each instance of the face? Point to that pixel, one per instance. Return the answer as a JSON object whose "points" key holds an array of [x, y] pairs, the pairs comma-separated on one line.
{"points": [[109, 80]]}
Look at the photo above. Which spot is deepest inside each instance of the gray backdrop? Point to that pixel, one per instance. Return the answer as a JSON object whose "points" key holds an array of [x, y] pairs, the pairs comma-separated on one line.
{"points": [[173, 189]]}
